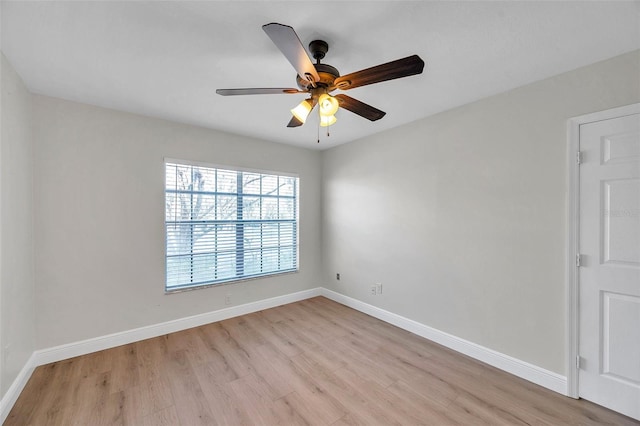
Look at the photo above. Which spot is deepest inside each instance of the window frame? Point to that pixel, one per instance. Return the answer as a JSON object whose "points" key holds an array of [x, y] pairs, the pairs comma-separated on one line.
{"points": [[236, 279]]}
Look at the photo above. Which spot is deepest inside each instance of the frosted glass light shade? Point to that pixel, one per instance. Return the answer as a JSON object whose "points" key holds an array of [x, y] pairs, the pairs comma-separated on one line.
{"points": [[327, 120], [301, 112], [328, 105]]}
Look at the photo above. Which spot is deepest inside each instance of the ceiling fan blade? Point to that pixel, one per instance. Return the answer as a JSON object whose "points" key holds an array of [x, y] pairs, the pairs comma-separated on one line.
{"points": [[360, 108], [399, 68], [257, 91], [286, 39], [295, 122]]}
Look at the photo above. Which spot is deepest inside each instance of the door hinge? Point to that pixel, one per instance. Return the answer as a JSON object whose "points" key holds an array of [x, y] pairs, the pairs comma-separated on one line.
{"points": [[578, 358], [578, 157], [578, 260]]}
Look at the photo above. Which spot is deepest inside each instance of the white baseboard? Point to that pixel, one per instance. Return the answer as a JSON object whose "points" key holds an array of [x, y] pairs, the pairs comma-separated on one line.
{"points": [[12, 394], [522, 369], [530, 372], [46, 356], [58, 353]]}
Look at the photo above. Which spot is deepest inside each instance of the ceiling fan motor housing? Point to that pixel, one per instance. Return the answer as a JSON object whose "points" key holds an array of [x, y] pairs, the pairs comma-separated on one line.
{"points": [[327, 75]]}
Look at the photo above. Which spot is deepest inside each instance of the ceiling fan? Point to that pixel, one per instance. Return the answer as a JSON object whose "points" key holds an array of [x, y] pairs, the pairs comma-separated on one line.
{"points": [[319, 80]]}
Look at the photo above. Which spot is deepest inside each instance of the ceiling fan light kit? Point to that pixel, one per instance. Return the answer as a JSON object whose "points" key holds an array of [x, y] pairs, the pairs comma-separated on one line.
{"points": [[319, 80]]}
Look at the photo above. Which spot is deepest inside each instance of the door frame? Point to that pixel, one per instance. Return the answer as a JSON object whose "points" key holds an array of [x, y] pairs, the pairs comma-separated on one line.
{"points": [[573, 237]]}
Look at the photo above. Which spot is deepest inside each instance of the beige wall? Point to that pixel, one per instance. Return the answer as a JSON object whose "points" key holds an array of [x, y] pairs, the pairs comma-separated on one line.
{"points": [[461, 216], [99, 224], [17, 293]]}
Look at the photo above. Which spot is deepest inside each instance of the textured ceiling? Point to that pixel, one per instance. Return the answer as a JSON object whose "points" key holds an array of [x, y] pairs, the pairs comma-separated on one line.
{"points": [[165, 59]]}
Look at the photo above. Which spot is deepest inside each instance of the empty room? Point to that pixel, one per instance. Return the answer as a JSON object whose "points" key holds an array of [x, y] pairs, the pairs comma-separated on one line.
{"points": [[320, 212]]}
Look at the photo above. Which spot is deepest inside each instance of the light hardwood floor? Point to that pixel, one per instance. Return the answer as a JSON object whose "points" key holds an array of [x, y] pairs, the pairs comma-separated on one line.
{"points": [[311, 362]]}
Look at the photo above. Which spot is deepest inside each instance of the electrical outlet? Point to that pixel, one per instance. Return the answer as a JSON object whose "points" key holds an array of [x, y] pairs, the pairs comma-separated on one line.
{"points": [[379, 288], [373, 290], [338, 276], [227, 299]]}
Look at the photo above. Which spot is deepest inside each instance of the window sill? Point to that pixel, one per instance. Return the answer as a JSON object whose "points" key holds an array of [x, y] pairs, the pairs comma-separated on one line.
{"points": [[225, 283]]}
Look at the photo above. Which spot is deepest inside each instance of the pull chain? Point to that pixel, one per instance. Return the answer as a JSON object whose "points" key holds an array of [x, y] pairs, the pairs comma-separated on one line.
{"points": [[320, 121]]}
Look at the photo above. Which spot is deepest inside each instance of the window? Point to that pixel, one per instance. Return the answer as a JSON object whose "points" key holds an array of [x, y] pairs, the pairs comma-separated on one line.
{"points": [[224, 225]]}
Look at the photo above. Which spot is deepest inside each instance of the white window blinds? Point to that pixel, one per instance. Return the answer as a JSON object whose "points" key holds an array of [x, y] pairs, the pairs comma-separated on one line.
{"points": [[224, 225]]}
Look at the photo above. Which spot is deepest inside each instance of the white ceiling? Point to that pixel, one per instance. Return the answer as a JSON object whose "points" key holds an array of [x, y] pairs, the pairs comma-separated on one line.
{"points": [[165, 59]]}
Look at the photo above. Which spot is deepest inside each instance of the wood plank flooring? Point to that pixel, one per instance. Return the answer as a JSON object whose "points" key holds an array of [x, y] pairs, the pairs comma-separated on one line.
{"points": [[313, 362]]}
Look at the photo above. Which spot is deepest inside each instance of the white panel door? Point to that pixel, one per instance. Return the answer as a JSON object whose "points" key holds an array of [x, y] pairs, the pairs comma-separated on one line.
{"points": [[609, 275]]}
